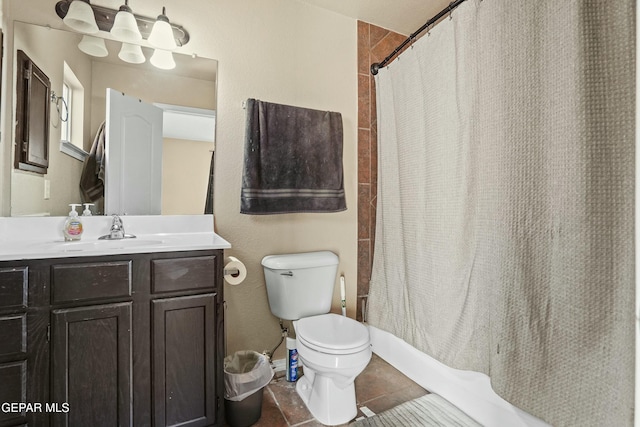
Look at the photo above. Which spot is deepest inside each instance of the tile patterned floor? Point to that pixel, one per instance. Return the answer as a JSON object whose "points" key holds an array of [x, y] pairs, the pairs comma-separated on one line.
{"points": [[379, 387]]}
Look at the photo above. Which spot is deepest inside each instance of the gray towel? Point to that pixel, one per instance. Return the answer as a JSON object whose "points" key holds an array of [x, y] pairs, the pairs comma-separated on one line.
{"points": [[208, 204], [92, 178], [292, 160]]}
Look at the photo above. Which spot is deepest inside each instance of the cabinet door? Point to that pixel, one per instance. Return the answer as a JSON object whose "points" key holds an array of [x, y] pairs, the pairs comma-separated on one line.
{"points": [[33, 89], [184, 361], [91, 368]]}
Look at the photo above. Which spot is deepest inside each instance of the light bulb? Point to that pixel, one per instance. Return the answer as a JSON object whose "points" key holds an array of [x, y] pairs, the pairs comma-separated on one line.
{"points": [[125, 26], [163, 59], [80, 17], [162, 34], [131, 53], [93, 46]]}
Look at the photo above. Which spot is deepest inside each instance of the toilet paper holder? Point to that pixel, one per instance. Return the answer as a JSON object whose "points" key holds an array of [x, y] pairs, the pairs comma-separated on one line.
{"points": [[232, 271]]}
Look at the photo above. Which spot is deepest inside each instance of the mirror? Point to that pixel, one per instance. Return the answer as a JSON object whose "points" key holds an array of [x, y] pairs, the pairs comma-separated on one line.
{"points": [[189, 88]]}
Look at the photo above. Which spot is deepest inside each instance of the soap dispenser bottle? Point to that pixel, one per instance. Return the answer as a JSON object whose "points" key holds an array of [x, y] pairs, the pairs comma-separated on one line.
{"points": [[87, 209], [72, 226]]}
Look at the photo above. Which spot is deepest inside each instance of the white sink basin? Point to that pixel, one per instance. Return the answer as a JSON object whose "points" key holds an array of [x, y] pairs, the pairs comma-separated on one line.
{"points": [[41, 238]]}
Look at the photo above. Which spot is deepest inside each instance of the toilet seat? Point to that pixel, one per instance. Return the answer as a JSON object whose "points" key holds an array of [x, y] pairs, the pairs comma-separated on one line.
{"points": [[332, 334]]}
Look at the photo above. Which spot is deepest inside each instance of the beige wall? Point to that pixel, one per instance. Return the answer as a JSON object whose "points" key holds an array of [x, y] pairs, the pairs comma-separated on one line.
{"points": [[280, 51], [185, 176]]}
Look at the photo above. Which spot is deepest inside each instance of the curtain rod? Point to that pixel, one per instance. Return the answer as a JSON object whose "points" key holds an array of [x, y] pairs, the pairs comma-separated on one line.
{"points": [[377, 65]]}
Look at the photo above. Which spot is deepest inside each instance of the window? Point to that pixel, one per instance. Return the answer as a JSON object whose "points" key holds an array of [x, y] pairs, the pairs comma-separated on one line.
{"points": [[65, 118], [71, 113]]}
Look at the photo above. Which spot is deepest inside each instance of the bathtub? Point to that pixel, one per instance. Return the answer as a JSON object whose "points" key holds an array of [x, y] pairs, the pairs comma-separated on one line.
{"points": [[470, 391]]}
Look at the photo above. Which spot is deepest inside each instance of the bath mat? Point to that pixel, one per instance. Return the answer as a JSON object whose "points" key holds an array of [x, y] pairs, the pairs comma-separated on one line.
{"points": [[428, 410]]}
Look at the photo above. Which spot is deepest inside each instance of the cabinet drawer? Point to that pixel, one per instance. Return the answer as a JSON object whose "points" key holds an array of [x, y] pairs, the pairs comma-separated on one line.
{"points": [[13, 377], [13, 287], [183, 274], [90, 281], [13, 336]]}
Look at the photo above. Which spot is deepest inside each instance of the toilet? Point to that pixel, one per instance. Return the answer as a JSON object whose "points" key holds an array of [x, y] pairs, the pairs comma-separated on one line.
{"points": [[333, 349]]}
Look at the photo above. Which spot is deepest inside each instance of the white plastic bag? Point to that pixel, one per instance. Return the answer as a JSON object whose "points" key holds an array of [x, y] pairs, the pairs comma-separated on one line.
{"points": [[245, 372]]}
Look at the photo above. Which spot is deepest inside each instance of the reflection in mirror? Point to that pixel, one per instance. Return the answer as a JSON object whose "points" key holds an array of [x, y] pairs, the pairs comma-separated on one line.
{"points": [[83, 81]]}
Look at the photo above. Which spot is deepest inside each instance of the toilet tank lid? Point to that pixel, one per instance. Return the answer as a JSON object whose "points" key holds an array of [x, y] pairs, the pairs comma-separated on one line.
{"points": [[300, 260]]}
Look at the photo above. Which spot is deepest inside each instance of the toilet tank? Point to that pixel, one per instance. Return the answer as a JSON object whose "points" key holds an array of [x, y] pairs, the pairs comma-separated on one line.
{"points": [[300, 285]]}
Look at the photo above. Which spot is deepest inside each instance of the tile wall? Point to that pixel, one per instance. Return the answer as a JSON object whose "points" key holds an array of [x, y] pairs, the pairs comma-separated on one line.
{"points": [[374, 44]]}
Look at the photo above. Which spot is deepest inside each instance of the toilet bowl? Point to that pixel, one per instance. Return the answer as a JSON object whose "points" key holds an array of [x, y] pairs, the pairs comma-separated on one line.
{"points": [[334, 350]]}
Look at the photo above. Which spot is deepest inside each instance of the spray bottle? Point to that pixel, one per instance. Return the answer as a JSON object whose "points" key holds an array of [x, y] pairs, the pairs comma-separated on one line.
{"points": [[292, 360]]}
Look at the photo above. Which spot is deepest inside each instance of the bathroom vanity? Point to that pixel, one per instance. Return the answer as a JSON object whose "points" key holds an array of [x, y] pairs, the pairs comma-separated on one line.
{"points": [[105, 333]]}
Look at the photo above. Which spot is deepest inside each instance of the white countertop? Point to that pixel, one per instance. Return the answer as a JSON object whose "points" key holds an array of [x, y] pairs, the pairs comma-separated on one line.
{"points": [[37, 238]]}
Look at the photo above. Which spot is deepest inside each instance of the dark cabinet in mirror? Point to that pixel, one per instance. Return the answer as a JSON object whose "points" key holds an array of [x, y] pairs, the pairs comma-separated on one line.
{"points": [[33, 89]]}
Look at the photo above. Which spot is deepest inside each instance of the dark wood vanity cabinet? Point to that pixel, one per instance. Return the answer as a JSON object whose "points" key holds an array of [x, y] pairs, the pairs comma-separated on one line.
{"points": [[127, 340]]}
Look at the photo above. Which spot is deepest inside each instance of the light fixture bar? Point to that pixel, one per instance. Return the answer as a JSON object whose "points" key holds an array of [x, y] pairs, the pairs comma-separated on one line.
{"points": [[106, 16]]}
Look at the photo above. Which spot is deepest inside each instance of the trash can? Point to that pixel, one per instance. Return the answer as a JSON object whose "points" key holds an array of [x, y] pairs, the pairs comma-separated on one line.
{"points": [[246, 373]]}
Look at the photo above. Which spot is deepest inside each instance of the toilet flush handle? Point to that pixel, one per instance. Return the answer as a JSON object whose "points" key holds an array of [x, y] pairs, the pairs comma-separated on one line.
{"points": [[287, 273]]}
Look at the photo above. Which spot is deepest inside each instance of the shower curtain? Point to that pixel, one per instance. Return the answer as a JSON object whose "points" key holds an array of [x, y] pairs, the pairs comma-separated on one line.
{"points": [[504, 235]]}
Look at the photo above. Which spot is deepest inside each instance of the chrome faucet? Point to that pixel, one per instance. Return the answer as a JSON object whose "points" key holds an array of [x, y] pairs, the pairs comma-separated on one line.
{"points": [[117, 228], [117, 231]]}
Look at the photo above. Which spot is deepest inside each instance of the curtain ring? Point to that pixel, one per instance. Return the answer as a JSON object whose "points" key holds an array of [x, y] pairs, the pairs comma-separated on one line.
{"points": [[450, 11]]}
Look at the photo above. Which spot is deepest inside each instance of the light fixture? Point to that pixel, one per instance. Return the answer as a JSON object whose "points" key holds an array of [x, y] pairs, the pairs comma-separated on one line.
{"points": [[132, 30], [93, 46], [162, 34], [125, 26], [105, 18], [162, 59], [80, 17], [131, 53]]}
